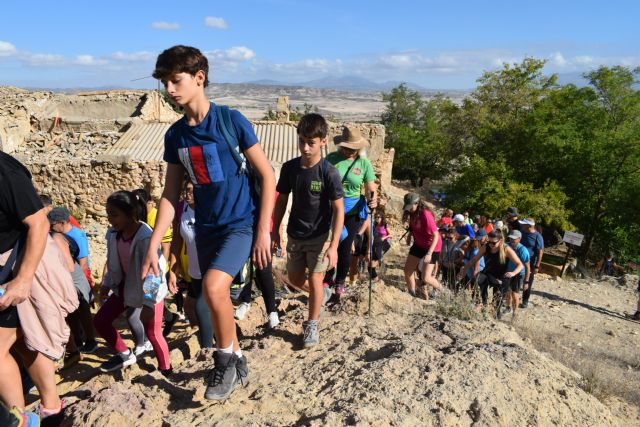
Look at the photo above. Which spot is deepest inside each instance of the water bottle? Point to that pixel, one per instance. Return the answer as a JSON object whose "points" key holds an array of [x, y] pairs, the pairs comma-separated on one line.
{"points": [[150, 287]]}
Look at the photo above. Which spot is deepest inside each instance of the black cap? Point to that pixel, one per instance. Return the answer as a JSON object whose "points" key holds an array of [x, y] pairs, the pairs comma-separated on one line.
{"points": [[513, 211], [57, 215]]}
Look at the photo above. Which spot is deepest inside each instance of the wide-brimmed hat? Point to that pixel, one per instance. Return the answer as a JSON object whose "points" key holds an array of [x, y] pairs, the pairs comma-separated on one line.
{"points": [[351, 138], [410, 199]]}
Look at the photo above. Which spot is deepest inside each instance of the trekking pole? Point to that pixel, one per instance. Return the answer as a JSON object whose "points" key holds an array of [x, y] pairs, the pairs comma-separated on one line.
{"points": [[370, 253]]}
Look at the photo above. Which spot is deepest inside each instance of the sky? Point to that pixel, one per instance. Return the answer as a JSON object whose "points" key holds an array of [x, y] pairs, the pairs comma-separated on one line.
{"points": [[435, 44]]}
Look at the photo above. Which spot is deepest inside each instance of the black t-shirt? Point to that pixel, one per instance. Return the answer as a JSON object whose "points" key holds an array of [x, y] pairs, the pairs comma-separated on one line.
{"points": [[313, 191], [18, 200]]}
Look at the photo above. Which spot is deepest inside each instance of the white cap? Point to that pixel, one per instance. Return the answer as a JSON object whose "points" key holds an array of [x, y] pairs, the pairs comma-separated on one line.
{"points": [[458, 217]]}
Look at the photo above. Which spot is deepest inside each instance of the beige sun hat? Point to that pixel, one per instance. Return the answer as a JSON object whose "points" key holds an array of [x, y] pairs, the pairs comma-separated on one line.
{"points": [[351, 138]]}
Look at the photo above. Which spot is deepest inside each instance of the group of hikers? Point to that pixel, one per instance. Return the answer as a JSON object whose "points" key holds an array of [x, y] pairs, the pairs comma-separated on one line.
{"points": [[220, 207], [472, 254]]}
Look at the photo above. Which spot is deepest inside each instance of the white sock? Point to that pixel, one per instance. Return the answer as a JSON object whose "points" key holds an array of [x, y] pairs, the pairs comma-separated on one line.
{"points": [[126, 353], [227, 350], [238, 353]]}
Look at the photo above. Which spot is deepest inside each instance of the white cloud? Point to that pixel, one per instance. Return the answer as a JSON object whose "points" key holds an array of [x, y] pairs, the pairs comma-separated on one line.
{"points": [[42, 59], [215, 22], [162, 25], [89, 61], [141, 56], [230, 58], [7, 49], [558, 59], [583, 60]]}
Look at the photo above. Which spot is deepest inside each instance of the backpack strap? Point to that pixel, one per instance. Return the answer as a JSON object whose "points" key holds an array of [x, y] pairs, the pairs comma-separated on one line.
{"points": [[344, 178], [225, 125], [5, 271]]}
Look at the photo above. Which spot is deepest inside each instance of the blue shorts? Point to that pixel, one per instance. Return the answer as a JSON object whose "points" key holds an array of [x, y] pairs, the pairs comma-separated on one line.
{"points": [[227, 252]]}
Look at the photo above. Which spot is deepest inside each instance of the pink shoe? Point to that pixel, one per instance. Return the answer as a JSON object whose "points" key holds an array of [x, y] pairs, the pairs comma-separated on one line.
{"points": [[339, 289]]}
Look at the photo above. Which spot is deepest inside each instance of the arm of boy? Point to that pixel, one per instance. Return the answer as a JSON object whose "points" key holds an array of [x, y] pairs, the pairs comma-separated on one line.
{"points": [[174, 259], [262, 247], [278, 214], [166, 211], [514, 258], [336, 229]]}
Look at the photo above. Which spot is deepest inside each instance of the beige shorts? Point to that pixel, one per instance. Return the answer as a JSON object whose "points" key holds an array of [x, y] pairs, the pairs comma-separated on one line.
{"points": [[303, 254]]}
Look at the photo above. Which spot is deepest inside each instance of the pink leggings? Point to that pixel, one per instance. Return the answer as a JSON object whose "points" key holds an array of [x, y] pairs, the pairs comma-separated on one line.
{"points": [[114, 307]]}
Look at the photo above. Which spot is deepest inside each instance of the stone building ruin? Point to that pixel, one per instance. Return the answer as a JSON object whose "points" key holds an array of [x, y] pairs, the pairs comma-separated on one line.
{"points": [[80, 148]]}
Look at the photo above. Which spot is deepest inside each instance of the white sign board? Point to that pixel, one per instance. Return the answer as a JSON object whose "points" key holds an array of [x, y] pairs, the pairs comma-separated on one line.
{"points": [[573, 238]]}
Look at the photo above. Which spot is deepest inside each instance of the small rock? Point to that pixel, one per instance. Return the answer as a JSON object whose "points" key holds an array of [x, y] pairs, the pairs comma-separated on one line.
{"points": [[613, 334]]}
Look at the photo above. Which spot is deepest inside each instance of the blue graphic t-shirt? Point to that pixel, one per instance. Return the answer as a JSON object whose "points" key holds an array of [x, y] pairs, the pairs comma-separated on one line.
{"points": [[80, 237], [222, 195], [523, 254]]}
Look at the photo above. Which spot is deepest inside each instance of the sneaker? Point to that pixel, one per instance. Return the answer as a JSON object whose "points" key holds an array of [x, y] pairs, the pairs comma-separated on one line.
{"points": [[53, 416], [274, 320], [181, 316], [223, 378], [311, 334], [412, 293], [139, 351], [243, 370], [339, 289], [168, 325], [89, 347], [71, 359], [242, 310], [507, 310], [118, 361], [24, 418], [636, 315], [166, 372], [524, 305]]}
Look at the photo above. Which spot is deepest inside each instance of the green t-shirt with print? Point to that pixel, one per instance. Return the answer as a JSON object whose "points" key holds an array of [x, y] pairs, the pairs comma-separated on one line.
{"points": [[360, 173]]}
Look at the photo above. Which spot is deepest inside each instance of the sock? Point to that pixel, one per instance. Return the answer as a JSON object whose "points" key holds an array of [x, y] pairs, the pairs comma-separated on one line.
{"points": [[238, 353], [227, 350], [126, 353]]}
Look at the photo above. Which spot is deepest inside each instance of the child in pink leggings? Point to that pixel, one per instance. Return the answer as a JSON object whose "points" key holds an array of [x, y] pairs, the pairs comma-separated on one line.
{"points": [[128, 243]]}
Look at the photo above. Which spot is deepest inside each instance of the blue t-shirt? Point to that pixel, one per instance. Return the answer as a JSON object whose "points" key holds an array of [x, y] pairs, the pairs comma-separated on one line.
{"points": [[533, 242], [468, 257], [222, 195], [466, 230], [523, 254], [81, 240]]}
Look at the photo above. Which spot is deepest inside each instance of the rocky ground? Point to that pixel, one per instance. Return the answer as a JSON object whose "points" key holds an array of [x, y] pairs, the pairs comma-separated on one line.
{"points": [[405, 364]]}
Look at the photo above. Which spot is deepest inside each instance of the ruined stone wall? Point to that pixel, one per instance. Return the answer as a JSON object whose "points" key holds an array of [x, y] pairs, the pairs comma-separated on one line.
{"points": [[83, 186], [375, 133]]}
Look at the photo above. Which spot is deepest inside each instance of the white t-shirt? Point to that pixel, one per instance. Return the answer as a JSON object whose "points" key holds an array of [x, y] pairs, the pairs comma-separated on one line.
{"points": [[188, 233]]}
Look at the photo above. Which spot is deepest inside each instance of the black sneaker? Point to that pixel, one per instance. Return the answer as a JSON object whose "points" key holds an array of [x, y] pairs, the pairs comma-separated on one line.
{"points": [[636, 316], [89, 347], [118, 361], [223, 378], [168, 325]]}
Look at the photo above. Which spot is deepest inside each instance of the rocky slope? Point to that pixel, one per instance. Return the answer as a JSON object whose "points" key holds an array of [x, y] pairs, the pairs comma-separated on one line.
{"points": [[403, 365]]}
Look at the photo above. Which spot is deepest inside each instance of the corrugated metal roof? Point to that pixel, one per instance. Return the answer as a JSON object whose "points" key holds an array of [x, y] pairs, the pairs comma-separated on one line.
{"points": [[142, 141], [145, 141]]}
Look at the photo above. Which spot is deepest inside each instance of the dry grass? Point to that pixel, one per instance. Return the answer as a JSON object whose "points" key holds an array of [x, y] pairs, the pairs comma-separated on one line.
{"points": [[605, 371]]}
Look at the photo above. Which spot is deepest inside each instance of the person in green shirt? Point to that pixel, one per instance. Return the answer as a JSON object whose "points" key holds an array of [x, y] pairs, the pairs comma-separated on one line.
{"points": [[356, 174]]}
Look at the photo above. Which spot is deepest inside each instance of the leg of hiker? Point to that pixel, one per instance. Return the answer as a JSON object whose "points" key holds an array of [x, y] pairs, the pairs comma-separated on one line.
{"points": [[42, 371], [152, 320], [86, 321], [352, 223], [10, 391], [410, 267], [264, 282], [527, 292], [103, 322], [203, 314], [136, 326]]}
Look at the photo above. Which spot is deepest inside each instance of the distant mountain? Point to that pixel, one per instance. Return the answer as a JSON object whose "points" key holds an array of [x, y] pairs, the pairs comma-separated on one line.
{"points": [[346, 83]]}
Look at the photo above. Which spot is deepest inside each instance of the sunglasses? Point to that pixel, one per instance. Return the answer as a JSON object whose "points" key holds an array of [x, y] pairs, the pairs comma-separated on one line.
{"points": [[492, 242]]}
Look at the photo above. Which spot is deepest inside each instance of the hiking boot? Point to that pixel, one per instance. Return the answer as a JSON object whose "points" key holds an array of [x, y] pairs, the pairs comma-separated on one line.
{"points": [[243, 370], [24, 418], [139, 351], [88, 347], [242, 310], [311, 334], [118, 361], [223, 378], [274, 320]]}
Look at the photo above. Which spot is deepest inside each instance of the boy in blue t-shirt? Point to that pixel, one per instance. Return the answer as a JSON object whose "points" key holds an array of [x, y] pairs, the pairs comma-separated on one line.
{"points": [[230, 224], [316, 219], [515, 286]]}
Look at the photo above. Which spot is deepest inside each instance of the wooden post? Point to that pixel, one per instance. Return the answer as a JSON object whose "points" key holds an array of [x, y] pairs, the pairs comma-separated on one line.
{"points": [[566, 259]]}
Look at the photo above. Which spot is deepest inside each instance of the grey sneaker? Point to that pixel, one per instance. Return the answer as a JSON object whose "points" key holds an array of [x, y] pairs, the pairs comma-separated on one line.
{"points": [[311, 333], [147, 346], [243, 370], [118, 361], [326, 291], [223, 378]]}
